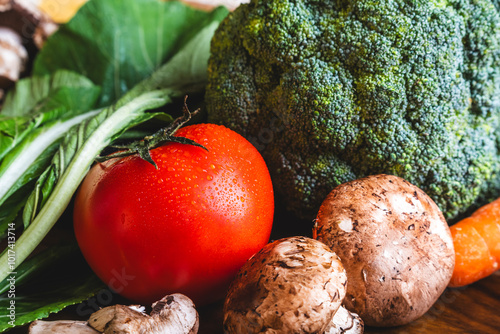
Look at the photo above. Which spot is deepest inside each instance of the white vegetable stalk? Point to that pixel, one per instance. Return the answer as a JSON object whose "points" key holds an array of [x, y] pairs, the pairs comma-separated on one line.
{"points": [[30, 153], [74, 174]]}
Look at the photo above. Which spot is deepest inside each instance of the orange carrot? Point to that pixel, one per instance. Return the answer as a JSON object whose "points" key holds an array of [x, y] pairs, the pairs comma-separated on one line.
{"points": [[477, 245]]}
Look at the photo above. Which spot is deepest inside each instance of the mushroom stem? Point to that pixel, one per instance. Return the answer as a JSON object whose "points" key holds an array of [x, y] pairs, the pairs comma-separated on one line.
{"points": [[120, 318], [61, 327], [345, 322]]}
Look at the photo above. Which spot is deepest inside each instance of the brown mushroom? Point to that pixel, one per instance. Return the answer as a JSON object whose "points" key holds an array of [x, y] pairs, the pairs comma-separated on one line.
{"points": [[293, 285], [23, 28], [395, 245]]}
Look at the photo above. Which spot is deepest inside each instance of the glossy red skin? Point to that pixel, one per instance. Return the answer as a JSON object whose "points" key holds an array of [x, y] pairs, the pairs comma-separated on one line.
{"points": [[186, 227]]}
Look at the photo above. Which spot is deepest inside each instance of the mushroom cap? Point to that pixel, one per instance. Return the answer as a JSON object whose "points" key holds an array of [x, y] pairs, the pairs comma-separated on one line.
{"points": [[293, 285], [395, 245]]}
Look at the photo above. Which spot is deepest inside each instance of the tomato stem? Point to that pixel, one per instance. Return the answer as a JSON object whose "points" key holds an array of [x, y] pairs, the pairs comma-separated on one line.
{"points": [[166, 135]]}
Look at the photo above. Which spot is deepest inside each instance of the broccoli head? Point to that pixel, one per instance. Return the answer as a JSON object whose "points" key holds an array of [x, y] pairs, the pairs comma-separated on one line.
{"points": [[330, 91]]}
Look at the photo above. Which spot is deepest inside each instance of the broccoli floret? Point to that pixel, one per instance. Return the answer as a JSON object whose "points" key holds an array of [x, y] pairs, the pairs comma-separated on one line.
{"points": [[330, 91]]}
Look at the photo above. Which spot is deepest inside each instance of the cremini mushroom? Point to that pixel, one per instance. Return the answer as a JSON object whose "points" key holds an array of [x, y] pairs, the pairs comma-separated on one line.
{"points": [[394, 243], [293, 285]]}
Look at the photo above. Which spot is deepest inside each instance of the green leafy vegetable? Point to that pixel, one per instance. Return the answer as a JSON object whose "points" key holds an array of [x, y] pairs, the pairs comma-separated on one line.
{"points": [[118, 43], [39, 100], [146, 53], [59, 93], [63, 279], [35, 116]]}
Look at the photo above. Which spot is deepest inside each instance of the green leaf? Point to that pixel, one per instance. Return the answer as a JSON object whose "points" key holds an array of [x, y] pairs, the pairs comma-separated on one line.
{"points": [[20, 191], [62, 279], [30, 153], [12, 132], [59, 89], [39, 100], [117, 43], [69, 166]]}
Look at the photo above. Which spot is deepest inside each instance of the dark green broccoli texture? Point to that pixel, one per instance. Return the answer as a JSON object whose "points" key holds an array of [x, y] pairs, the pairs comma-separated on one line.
{"points": [[330, 91]]}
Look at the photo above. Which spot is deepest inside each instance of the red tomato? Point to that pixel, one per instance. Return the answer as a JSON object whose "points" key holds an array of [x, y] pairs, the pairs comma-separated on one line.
{"points": [[185, 227]]}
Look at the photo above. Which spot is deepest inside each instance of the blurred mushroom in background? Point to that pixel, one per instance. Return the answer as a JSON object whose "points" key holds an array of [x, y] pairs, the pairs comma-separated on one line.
{"points": [[23, 30]]}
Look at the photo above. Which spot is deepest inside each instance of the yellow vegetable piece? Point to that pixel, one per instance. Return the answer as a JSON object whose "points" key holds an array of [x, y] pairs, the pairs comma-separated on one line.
{"points": [[61, 11]]}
